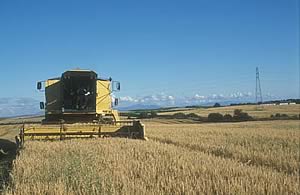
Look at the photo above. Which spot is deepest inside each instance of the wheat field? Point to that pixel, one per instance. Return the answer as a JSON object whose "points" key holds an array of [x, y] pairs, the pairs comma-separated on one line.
{"points": [[255, 111], [231, 158]]}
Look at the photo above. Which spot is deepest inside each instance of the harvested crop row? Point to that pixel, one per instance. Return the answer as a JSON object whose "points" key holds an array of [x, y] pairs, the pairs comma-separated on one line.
{"points": [[269, 144]]}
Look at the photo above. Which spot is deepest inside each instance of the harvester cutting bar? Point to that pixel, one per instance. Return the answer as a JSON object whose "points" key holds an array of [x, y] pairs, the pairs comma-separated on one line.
{"points": [[131, 129]]}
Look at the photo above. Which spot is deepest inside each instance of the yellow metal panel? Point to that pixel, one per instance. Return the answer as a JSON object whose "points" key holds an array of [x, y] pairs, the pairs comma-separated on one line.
{"points": [[103, 99], [116, 115], [51, 82], [53, 96]]}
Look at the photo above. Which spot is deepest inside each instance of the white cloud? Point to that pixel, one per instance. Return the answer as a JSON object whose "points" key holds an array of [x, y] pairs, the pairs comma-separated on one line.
{"points": [[240, 95], [128, 99], [171, 97], [156, 99], [18, 106], [164, 99], [200, 97]]}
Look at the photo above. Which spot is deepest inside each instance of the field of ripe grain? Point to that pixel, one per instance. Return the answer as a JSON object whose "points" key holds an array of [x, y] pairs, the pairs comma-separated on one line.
{"points": [[8, 132], [252, 110], [239, 158]]}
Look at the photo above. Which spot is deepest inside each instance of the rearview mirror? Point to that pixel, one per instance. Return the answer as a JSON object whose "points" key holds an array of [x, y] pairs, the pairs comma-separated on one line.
{"points": [[116, 101], [39, 85], [42, 105], [118, 86]]}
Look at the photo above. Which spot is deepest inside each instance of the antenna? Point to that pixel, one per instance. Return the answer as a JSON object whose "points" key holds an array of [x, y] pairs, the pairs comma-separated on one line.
{"points": [[258, 94]]}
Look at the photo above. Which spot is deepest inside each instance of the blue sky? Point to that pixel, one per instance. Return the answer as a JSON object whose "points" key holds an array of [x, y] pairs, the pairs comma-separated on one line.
{"points": [[192, 49]]}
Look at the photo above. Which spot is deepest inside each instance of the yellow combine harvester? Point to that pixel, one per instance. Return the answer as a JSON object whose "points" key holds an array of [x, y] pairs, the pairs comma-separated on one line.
{"points": [[79, 104]]}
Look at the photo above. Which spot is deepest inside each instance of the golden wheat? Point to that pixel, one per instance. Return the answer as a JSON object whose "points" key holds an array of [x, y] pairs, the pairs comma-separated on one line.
{"points": [[270, 144], [242, 158]]}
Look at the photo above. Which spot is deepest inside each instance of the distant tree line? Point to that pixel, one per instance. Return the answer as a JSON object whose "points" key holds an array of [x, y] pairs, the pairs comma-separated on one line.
{"points": [[142, 114], [279, 116], [277, 102], [237, 116]]}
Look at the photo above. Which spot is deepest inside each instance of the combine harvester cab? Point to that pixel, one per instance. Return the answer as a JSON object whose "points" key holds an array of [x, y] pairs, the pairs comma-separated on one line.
{"points": [[79, 104]]}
